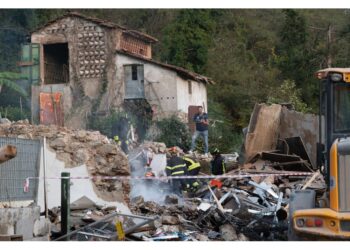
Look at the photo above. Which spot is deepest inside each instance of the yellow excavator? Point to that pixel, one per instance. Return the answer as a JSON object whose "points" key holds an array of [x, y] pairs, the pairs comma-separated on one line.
{"points": [[330, 220]]}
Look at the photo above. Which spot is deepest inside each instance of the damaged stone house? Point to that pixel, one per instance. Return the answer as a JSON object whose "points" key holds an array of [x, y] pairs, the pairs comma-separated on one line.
{"points": [[81, 66]]}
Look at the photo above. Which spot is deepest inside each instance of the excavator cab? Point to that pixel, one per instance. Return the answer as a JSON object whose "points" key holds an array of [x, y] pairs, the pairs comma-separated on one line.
{"points": [[333, 222]]}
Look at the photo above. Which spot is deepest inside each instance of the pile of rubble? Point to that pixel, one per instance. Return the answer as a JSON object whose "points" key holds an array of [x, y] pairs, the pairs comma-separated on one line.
{"points": [[75, 148], [155, 147], [229, 209]]}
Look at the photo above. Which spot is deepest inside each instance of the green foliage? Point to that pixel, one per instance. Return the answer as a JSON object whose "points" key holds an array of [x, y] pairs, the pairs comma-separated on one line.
{"points": [[247, 52], [14, 113], [187, 39], [288, 93], [221, 130], [295, 54], [173, 132], [9, 79], [104, 124]]}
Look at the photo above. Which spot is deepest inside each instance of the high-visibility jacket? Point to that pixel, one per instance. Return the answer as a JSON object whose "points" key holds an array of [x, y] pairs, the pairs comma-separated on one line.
{"points": [[176, 166], [191, 164]]}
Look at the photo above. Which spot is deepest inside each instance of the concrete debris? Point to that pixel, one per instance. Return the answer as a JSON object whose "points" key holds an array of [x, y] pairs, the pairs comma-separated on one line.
{"points": [[155, 147], [172, 199], [137, 201], [4, 121], [76, 148], [170, 220], [242, 237], [228, 232], [225, 209]]}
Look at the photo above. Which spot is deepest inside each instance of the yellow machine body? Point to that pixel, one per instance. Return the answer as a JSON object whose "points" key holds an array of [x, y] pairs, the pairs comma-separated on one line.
{"points": [[333, 222]]}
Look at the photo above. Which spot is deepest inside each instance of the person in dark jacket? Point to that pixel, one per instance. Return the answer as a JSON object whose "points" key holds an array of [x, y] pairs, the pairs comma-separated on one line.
{"points": [[217, 165], [176, 166], [120, 131], [193, 169]]}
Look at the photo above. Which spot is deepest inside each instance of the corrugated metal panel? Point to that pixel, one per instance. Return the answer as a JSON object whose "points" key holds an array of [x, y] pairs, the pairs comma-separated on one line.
{"points": [[14, 172], [134, 86], [344, 183], [51, 109]]}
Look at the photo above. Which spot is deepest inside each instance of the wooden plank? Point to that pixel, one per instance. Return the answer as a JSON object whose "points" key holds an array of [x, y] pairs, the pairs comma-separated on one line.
{"points": [[263, 129], [15, 237]]}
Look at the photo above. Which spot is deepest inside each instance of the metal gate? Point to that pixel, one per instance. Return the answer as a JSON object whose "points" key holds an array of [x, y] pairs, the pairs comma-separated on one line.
{"points": [[14, 172]]}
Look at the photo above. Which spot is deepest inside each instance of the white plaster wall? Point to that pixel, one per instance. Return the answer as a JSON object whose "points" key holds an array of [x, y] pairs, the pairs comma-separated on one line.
{"points": [[158, 163], [198, 96], [160, 83], [79, 188]]}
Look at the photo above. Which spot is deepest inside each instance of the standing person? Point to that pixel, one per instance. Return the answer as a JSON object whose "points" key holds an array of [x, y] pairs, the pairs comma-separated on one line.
{"points": [[176, 166], [217, 165], [201, 120], [193, 169], [120, 131]]}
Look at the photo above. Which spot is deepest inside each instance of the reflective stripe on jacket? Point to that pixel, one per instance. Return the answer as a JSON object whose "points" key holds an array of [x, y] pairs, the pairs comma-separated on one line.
{"points": [[191, 164], [176, 166]]}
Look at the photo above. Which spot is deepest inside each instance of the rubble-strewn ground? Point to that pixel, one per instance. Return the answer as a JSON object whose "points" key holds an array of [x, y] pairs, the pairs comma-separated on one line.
{"points": [[229, 209]]}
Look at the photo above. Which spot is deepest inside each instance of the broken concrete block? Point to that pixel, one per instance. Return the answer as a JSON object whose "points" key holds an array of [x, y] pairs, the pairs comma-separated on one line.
{"points": [[204, 206], [80, 135], [81, 156], [171, 228], [170, 220], [171, 199], [7, 229], [228, 232], [108, 149], [138, 200], [41, 227], [242, 237], [60, 142], [82, 203], [5, 121], [201, 237], [65, 157]]}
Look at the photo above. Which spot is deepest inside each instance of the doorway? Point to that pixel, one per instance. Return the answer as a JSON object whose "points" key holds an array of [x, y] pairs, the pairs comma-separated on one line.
{"points": [[56, 63]]}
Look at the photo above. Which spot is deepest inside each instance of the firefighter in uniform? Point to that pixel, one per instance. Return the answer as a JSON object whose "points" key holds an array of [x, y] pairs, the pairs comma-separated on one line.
{"points": [[176, 166], [217, 165], [193, 168], [121, 131]]}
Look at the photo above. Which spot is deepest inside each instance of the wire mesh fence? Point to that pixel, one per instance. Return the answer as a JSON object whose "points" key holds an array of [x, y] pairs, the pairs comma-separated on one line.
{"points": [[14, 172]]}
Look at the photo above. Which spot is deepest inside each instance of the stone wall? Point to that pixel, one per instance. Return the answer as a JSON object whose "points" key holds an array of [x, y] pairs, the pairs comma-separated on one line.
{"points": [[91, 65]]}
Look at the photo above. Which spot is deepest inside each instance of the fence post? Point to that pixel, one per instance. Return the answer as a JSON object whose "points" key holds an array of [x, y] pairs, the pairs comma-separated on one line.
{"points": [[65, 203]]}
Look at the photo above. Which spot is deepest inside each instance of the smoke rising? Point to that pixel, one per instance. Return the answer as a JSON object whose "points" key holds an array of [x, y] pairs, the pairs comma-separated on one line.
{"points": [[150, 190]]}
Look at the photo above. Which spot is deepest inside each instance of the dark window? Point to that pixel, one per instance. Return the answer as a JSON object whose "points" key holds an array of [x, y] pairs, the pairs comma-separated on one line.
{"points": [[56, 63], [190, 87], [341, 108], [134, 72]]}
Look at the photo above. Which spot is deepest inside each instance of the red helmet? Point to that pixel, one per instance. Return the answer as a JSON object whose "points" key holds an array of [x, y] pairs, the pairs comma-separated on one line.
{"points": [[149, 174], [172, 150]]}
